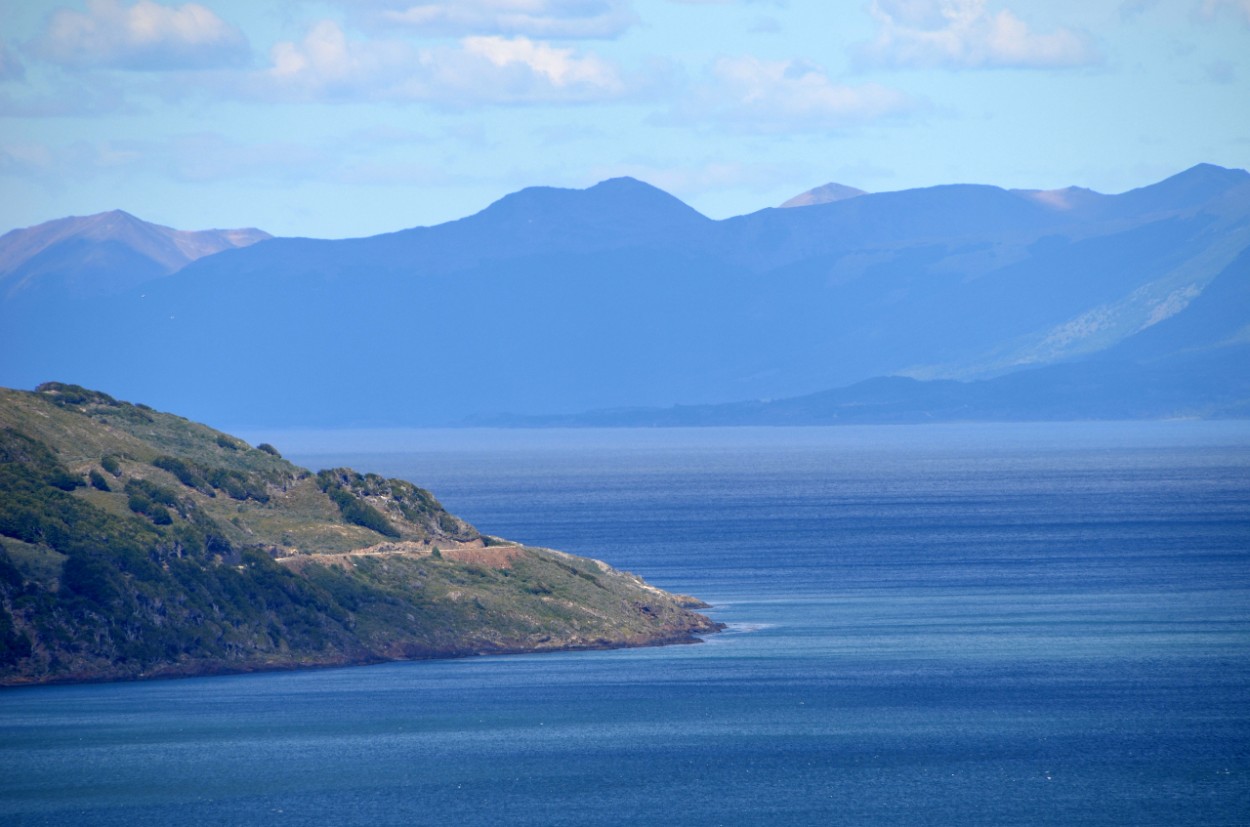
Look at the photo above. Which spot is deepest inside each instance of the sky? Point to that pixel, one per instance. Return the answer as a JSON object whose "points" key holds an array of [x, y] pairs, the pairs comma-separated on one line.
{"points": [[347, 118]]}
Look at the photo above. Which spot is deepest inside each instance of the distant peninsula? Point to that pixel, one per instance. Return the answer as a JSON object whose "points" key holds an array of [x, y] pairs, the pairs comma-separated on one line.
{"points": [[138, 544]]}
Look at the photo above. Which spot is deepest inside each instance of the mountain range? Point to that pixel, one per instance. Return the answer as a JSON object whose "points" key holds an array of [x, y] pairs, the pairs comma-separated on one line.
{"points": [[955, 302], [86, 257]]}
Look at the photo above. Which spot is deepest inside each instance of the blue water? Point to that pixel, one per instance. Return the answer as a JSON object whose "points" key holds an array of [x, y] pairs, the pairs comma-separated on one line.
{"points": [[972, 625]]}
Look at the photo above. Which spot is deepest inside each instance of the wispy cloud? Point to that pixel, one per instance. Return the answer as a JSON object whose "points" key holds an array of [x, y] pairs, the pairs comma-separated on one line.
{"points": [[197, 158], [55, 164], [11, 67], [81, 96], [966, 34], [544, 19], [1222, 72], [689, 179], [144, 36], [24, 159], [208, 156], [484, 69], [748, 94], [1211, 9]]}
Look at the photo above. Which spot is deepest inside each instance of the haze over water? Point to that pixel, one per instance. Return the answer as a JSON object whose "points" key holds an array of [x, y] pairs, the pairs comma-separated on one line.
{"points": [[1026, 624]]}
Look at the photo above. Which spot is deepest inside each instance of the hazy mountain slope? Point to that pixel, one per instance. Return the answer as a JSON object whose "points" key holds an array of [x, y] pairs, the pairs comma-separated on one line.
{"points": [[824, 194], [620, 213], [562, 301], [135, 543], [1190, 189], [1213, 319], [101, 254], [1215, 384]]}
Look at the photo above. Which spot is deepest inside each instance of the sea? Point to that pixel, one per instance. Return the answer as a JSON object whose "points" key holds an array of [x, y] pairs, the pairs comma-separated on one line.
{"points": [[1018, 624]]}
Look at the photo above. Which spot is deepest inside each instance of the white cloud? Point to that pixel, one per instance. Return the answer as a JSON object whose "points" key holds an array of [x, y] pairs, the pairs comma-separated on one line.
{"points": [[547, 19], [560, 68], [779, 3], [753, 95], [142, 36], [327, 65], [966, 34]]}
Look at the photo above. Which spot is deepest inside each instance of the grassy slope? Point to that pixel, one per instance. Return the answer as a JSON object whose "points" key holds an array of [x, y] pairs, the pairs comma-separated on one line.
{"points": [[135, 543]]}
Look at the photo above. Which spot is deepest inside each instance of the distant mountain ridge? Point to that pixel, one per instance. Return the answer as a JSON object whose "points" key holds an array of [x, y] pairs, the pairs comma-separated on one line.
{"points": [[105, 253], [1206, 386], [558, 301]]}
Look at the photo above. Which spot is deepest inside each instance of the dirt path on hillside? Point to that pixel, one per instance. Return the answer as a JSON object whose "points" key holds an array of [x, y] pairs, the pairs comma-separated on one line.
{"points": [[474, 553]]}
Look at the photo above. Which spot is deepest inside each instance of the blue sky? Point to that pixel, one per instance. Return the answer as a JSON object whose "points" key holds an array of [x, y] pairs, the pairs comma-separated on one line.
{"points": [[353, 117]]}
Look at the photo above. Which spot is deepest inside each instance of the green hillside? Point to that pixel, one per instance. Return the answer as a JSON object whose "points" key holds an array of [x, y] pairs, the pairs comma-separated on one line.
{"points": [[138, 544]]}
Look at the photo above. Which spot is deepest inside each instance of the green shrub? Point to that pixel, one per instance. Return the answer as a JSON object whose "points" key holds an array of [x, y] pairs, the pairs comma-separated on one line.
{"points": [[152, 501], [14, 645], [9, 575], [155, 493], [65, 395], [65, 480], [238, 485], [97, 481], [358, 512], [188, 473], [89, 577], [354, 510], [268, 449]]}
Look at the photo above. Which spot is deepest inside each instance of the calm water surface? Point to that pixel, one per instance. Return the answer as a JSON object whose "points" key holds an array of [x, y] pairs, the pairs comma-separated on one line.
{"points": [[973, 625]]}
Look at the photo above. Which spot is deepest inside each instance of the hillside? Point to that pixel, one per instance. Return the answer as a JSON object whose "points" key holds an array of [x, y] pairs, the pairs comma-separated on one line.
{"points": [[139, 544], [557, 301]]}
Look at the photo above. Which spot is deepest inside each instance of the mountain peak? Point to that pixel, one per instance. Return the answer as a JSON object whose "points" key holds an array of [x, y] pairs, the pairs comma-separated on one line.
{"points": [[625, 183], [76, 251], [1214, 170], [1191, 188], [825, 194], [621, 208], [616, 193]]}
